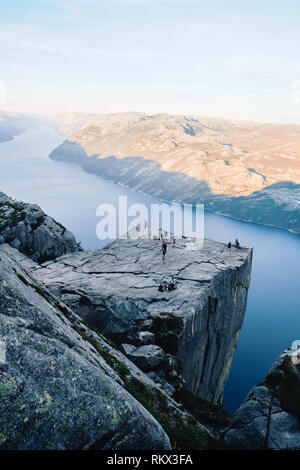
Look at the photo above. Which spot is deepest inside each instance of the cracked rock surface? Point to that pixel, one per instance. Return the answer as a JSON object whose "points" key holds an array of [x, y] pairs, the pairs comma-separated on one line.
{"points": [[115, 290]]}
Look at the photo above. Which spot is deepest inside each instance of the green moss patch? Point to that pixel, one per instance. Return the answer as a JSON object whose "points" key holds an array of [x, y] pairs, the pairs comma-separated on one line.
{"points": [[204, 411], [184, 432]]}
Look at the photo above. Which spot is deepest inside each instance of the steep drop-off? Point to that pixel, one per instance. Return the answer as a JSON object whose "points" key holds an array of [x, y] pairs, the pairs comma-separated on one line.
{"points": [[116, 290]]}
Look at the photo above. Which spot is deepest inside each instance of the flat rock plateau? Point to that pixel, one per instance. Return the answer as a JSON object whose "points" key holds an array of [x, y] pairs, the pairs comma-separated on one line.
{"points": [[116, 291]]}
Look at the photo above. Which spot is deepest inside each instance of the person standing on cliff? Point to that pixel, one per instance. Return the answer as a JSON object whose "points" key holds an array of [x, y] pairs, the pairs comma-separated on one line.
{"points": [[164, 250]]}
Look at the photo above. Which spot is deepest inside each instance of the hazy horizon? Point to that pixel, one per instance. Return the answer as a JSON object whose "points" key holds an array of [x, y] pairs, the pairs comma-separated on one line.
{"points": [[192, 115], [227, 60]]}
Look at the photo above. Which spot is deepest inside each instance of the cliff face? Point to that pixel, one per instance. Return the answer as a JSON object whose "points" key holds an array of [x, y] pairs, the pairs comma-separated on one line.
{"points": [[269, 417], [194, 328], [27, 228]]}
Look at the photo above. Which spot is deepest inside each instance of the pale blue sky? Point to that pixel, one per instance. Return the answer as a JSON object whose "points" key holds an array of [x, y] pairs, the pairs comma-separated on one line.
{"points": [[223, 58]]}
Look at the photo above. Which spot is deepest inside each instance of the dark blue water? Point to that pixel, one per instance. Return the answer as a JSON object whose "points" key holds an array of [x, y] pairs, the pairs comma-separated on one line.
{"points": [[272, 319], [71, 196]]}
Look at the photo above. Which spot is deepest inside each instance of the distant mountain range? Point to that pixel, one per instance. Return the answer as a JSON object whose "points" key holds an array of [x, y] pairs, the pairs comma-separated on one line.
{"points": [[13, 124], [242, 169]]}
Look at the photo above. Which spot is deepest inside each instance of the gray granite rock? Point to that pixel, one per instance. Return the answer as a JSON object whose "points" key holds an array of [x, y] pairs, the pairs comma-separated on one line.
{"points": [[269, 417], [116, 291], [56, 389], [146, 357], [28, 229], [146, 337]]}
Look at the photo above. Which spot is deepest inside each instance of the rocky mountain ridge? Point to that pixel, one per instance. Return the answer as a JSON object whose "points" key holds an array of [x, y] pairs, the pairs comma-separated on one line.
{"points": [[237, 168], [234, 158]]}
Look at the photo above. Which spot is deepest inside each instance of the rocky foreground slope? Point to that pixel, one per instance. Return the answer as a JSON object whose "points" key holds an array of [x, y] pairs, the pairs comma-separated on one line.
{"points": [[56, 389], [116, 291], [63, 385], [241, 169], [28, 229]]}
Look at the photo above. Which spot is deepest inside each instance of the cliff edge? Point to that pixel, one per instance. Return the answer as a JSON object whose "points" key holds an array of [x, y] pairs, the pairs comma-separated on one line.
{"points": [[189, 334]]}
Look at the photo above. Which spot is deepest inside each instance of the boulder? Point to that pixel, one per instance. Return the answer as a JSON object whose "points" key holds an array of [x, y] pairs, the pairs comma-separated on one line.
{"points": [[146, 337], [146, 357]]}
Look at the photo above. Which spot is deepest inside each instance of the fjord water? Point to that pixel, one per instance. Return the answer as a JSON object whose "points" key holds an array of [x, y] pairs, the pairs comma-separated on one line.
{"points": [[71, 196]]}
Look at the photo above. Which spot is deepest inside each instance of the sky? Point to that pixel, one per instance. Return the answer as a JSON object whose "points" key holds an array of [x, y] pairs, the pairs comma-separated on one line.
{"points": [[221, 58]]}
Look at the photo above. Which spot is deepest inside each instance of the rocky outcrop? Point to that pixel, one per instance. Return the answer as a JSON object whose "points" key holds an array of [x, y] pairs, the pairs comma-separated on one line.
{"points": [[269, 417], [197, 325], [63, 386], [60, 386], [28, 229]]}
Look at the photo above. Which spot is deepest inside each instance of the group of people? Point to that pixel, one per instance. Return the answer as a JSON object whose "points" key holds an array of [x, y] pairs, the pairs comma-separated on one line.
{"points": [[168, 285], [236, 245]]}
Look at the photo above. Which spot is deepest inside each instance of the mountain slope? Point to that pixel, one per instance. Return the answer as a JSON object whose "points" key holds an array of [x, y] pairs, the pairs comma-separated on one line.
{"points": [[188, 160], [233, 158]]}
